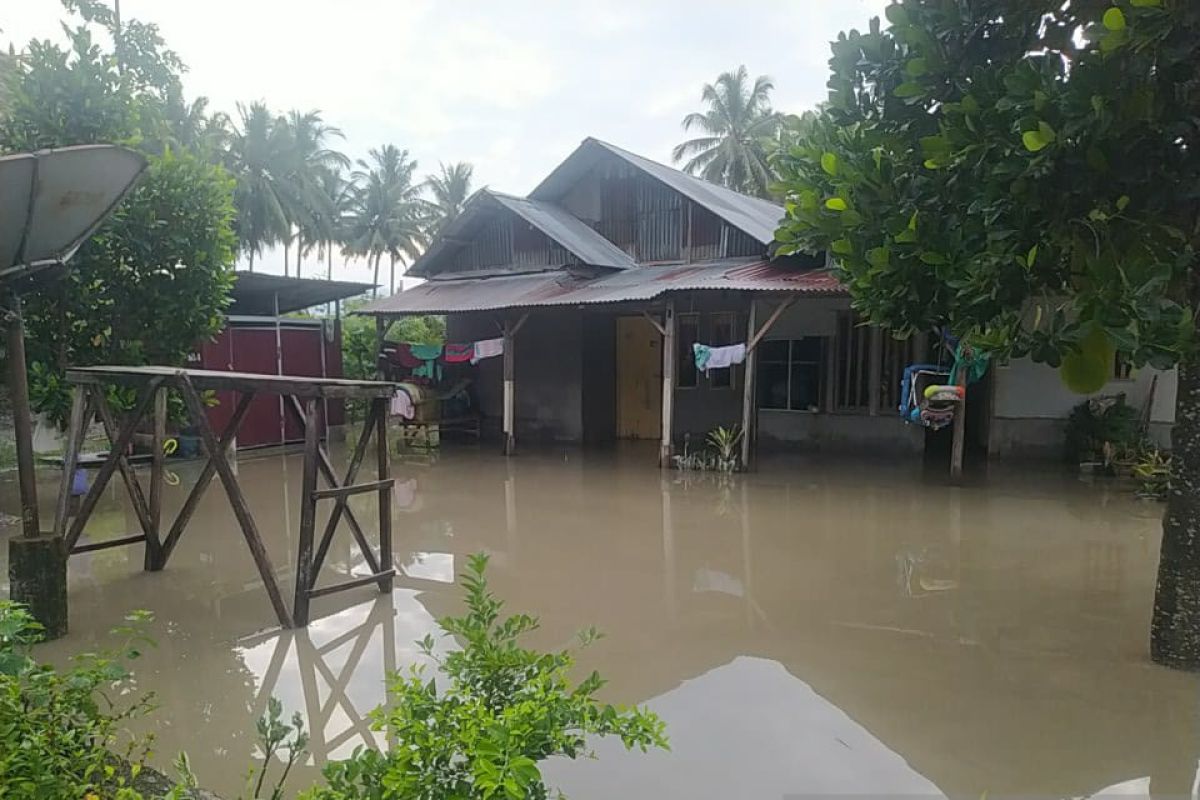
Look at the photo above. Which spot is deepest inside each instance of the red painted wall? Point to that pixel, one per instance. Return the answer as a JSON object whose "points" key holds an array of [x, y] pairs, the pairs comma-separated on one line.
{"points": [[250, 347]]}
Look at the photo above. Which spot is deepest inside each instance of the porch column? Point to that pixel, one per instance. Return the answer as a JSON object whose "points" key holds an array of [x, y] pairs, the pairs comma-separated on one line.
{"points": [[754, 335], [510, 424], [380, 332], [666, 449], [749, 378]]}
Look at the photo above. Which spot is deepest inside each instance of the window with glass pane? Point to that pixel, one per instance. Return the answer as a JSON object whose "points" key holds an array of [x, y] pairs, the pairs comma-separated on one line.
{"points": [[723, 333], [687, 333], [790, 373]]}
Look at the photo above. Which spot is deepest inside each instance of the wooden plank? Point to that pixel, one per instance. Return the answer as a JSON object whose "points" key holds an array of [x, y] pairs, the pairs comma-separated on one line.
{"points": [[378, 577], [384, 474], [237, 500], [157, 465], [294, 385], [133, 486], [81, 407], [326, 468], [349, 491], [658, 326], [960, 428], [751, 376], [305, 570], [202, 482], [93, 546], [771, 320], [875, 375], [668, 330], [356, 458], [115, 457]]}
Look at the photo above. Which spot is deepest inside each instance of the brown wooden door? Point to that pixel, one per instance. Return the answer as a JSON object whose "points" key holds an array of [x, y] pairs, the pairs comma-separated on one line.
{"points": [[639, 379]]}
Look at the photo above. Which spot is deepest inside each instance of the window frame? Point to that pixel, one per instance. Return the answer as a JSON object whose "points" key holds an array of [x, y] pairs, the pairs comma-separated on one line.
{"points": [[821, 367], [732, 371], [680, 318]]}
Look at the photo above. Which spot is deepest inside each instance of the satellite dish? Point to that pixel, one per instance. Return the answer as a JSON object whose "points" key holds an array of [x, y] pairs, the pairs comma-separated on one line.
{"points": [[53, 200]]}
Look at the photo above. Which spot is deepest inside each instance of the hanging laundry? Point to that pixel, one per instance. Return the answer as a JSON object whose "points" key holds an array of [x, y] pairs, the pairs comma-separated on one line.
{"points": [[458, 353], [426, 352], [718, 357], [400, 354], [488, 348], [402, 404]]}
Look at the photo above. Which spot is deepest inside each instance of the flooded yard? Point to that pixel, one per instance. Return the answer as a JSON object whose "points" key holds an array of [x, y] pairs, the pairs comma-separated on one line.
{"points": [[837, 628]]}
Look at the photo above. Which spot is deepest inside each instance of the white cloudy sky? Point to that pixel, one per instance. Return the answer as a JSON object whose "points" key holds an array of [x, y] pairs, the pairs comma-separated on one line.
{"points": [[510, 86]]}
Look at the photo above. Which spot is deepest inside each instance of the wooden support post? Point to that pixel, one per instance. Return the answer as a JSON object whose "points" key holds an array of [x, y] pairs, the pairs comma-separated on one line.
{"points": [[81, 405], [383, 459], [750, 377], [137, 499], [960, 428], [875, 370], [153, 560], [380, 334], [666, 447], [18, 388], [237, 500], [510, 416], [305, 577]]}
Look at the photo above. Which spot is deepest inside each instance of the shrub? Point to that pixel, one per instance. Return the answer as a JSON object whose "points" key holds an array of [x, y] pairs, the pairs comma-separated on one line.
{"points": [[1103, 429], [60, 730], [501, 711]]}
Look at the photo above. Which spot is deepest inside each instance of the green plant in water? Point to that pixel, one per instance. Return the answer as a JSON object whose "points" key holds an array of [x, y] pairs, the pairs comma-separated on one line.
{"points": [[1152, 470], [500, 711], [1103, 429], [726, 442]]}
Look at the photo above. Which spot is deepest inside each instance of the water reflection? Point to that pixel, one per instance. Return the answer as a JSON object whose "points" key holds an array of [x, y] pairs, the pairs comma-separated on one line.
{"points": [[814, 628]]}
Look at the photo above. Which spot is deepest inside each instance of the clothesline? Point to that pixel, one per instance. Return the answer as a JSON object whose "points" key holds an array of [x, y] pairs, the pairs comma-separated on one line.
{"points": [[709, 357], [426, 359]]}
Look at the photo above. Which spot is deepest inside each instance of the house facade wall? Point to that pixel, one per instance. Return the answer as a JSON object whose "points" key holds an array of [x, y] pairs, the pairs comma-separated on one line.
{"points": [[1032, 405]]}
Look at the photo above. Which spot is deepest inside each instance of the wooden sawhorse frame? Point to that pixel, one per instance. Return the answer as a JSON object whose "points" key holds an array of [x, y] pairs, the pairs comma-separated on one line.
{"points": [[305, 397]]}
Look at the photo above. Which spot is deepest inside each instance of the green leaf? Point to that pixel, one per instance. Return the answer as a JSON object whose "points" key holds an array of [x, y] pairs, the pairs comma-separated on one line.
{"points": [[933, 259], [1031, 257], [909, 89], [1033, 141], [932, 164], [916, 67], [842, 247], [912, 221], [1114, 19], [896, 14], [829, 163], [906, 237], [836, 204], [1046, 132], [1122, 202], [1146, 3]]}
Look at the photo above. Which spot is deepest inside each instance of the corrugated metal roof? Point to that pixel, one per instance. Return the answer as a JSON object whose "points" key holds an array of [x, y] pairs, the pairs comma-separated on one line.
{"points": [[255, 293], [571, 233], [757, 217], [565, 289], [568, 230]]}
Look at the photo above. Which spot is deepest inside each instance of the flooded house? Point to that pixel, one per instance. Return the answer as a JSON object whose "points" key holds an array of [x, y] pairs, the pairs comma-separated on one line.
{"points": [[598, 284]]}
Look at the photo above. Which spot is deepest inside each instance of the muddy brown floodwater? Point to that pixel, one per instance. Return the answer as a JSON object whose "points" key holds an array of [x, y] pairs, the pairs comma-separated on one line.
{"points": [[832, 628]]}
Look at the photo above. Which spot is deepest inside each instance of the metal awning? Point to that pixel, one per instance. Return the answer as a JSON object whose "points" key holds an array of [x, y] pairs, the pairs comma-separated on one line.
{"points": [[254, 293], [563, 288]]}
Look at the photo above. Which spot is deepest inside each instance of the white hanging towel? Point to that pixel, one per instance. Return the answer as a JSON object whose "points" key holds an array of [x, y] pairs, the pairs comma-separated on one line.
{"points": [[488, 348], [722, 357]]}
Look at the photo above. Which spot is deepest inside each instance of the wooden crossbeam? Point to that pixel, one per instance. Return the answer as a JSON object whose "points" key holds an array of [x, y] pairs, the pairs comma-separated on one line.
{"points": [[121, 542], [81, 411], [137, 497], [349, 491], [115, 457], [356, 458], [353, 583], [236, 499], [202, 482]]}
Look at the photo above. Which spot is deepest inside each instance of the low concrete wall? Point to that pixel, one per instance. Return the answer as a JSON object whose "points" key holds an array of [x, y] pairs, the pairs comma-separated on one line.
{"points": [[1045, 438], [844, 433]]}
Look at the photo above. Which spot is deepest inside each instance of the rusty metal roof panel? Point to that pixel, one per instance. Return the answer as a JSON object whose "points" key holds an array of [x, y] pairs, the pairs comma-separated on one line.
{"points": [[753, 215], [563, 288]]}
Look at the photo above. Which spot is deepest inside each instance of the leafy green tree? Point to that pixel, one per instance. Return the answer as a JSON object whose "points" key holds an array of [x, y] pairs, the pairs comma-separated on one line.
{"points": [[309, 159], [155, 279], [1022, 173], [449, 189], [501, 710], [735, 126], [387, 213]]}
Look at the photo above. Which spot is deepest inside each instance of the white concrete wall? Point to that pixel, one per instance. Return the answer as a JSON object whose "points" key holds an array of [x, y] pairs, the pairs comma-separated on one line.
{"points": [[1032, 406]]}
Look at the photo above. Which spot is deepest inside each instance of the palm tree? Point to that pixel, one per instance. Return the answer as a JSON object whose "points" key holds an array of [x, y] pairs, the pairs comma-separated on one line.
{"points": [[257, 158], [310, 161], [387, 211], [449, 190], [326, 227], [737, 120]]}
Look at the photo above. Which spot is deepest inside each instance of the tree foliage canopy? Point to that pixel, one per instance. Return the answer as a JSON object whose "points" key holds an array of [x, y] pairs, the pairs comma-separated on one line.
{"points": [[1023, 173]]}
